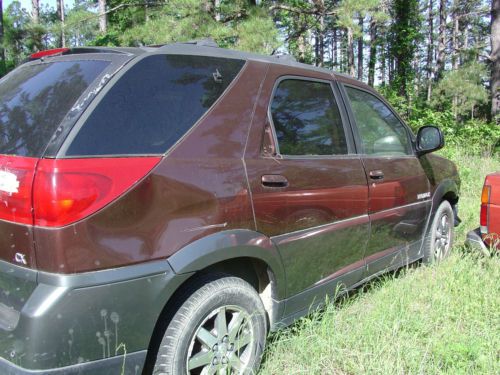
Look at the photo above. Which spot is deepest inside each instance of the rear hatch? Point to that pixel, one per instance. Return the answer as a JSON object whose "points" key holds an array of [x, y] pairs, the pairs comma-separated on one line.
{"points": [[39, 103]]}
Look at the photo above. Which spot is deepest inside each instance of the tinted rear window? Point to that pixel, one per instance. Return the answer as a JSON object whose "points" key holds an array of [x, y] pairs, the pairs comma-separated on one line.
{"points": [[35, 98], [153, 105]]}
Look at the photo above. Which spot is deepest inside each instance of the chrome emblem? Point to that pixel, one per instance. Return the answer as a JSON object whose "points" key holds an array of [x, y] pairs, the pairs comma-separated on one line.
{"points": [[20, 258], [424, 195]]}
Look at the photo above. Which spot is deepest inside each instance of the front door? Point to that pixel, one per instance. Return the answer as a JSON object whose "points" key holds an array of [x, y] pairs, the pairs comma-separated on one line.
{"points": [[308, 186], [399, 191]]}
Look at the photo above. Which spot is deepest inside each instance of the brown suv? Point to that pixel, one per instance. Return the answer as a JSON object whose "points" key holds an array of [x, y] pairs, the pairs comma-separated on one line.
{"points": [[163, 208]]}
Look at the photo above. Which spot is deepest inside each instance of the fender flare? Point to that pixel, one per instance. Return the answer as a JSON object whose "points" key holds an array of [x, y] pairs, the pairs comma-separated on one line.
{"points": [[230, 244], [445, 187]]}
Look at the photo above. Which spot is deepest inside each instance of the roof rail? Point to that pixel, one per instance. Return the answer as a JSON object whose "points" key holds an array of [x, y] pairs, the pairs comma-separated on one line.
{"points": [[208, 42], [285, 57]]}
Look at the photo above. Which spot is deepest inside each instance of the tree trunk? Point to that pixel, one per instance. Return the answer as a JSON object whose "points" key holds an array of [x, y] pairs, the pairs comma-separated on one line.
{"points": [[103, 19], [35, 11], [383, 55], [360, 49], [301, 47], [335, 57], [320, 32], [321, 41], [495, 59], [316, 48], [454, 38], [350, 52], [373, 53], [217, 15], [430, 50], [3, 69], [60, 15], [441, 40]]}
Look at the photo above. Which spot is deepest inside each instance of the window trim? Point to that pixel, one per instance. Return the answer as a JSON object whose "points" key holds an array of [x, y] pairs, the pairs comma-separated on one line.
{"points": [[354, 125], [343, 118]]}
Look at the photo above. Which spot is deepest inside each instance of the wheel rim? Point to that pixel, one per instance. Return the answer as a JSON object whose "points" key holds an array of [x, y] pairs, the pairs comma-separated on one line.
{"points": [[442, 237], [222, 343]]}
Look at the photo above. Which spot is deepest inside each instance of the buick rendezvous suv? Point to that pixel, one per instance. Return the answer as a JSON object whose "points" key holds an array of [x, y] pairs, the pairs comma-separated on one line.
{"points": [[164, 208]]}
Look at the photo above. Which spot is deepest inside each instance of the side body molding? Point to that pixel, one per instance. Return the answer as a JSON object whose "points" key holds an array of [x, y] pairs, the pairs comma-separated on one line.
{"points": [[227, 245]]}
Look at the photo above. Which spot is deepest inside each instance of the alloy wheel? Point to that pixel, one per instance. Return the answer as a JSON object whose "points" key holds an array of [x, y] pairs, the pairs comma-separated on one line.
{"points": [[442, 237], [222, 343]]}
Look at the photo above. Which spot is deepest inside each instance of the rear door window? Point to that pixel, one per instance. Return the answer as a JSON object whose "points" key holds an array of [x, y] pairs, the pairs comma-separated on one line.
{"points": [[307, 119], [35, 98], [153, 105]]}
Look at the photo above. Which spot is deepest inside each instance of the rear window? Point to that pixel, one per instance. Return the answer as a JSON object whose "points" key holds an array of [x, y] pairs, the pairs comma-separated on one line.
{"points": [[153, 105], [34, 100]]}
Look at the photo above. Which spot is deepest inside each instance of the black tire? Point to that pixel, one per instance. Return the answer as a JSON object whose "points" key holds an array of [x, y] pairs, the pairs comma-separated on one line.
{"points": [[440, 237], [218, 302]]}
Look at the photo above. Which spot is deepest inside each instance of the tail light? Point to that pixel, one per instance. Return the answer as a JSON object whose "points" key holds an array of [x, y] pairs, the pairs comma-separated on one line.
{"points": [[16, 181], [485, 200], [68, 190]]}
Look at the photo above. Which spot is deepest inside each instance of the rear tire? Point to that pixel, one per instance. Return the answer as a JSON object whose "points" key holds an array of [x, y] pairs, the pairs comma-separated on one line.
{"points": [[440, 239], [220, 328]]}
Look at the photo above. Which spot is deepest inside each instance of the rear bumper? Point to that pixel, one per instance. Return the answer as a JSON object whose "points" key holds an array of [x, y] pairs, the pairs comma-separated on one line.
{"points": [[475, 240], [94, 322], [123, 364]]}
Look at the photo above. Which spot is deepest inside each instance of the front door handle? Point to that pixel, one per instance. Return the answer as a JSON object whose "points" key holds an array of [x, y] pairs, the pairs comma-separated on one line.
{"points": [[274, 181], [376, 175]]}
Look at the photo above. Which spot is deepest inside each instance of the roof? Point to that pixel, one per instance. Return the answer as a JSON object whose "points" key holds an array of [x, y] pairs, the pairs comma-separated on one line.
{"points": [[208, 47]]}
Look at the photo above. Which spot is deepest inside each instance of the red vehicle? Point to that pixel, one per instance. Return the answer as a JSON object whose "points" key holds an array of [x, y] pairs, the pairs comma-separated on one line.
{"points": [[488, 234]]}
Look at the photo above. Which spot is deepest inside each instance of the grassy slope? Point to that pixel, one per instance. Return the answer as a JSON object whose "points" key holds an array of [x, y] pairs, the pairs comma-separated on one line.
{"points": [[426, 320]]}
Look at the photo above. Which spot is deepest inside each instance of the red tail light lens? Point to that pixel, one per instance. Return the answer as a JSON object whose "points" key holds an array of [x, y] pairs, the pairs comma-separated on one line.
{"points": [[483, 220], [483, 217], [68, 190], [16, 180]]}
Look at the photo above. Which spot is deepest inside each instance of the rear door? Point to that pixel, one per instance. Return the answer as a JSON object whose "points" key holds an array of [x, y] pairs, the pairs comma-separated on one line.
{"points": [[308, 186], [399, 191]]}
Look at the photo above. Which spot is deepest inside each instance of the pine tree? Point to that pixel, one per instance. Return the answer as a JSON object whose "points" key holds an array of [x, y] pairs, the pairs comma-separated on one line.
{"points": [[495, 60]]}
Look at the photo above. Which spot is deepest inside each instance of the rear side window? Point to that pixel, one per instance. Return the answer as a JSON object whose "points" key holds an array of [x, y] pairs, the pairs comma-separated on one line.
{"points": [[35, 98], [153, 105], [306, 119], [381, 131]]}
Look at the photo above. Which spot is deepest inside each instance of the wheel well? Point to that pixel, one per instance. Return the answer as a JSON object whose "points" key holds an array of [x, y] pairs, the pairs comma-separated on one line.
{"points": [[451, 197], [258, 274]]}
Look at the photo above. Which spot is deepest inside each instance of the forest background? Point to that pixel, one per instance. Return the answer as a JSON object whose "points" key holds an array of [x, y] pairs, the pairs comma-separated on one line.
{"points": [[436, 61]]}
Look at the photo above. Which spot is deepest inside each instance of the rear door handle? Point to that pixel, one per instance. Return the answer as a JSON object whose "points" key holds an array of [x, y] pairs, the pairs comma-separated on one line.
{"points": [[274, 181], [376, 175]]}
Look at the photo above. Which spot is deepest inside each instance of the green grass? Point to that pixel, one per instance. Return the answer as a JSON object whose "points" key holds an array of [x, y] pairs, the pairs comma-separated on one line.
{"points": [[442, 319]]}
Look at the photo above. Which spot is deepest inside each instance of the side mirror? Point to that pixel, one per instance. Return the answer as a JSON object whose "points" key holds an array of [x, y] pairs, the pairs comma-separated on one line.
{"points": [[429, 138]]}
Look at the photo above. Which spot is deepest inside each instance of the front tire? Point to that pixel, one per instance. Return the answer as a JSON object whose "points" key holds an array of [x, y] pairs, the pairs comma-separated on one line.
{"points": [[220, 329], [440, 239]]}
